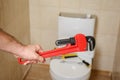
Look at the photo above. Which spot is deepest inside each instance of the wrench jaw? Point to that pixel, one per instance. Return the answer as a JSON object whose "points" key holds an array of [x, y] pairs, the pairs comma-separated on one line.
{"points": [[91, 43], [77, 40]]}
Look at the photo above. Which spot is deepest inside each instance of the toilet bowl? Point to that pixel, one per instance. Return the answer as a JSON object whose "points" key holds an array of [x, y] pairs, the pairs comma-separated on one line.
{"points": [[73, 68], [69, 69]]}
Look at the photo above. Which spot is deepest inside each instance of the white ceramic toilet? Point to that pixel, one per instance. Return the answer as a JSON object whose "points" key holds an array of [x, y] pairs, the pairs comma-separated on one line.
{"points": [[73, 68]]}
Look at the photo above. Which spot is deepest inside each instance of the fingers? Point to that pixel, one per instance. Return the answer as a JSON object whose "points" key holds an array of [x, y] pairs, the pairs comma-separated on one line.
{"points": [[39, 58], [29, 62], [38, 48], [32, 54], [32, 62]]}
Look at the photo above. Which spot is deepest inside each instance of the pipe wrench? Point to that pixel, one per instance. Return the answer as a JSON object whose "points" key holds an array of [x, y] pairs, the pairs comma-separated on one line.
{"points": [[78, 43]]}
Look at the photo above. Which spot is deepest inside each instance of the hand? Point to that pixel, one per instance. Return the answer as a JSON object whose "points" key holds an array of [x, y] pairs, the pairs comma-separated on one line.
{"points": [[30, 52], [9, 44]]}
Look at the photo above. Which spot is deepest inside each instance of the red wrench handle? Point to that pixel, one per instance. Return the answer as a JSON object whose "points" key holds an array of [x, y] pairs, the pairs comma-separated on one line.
{"points": [[21, 61], [51, 53]]}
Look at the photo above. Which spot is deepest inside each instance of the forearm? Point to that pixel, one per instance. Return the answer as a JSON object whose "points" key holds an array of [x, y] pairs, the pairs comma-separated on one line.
{"points": [[9, 43]]}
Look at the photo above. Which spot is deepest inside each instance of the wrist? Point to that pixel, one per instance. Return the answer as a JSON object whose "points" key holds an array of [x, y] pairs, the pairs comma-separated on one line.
{"points": [[16, 48]]}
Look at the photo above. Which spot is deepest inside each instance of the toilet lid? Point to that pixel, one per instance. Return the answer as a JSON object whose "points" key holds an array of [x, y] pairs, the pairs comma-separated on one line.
{"points": [[69, 69]]}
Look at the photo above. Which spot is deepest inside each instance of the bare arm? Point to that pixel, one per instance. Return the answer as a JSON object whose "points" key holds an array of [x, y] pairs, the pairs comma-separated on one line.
{"points": [[10, 44]]}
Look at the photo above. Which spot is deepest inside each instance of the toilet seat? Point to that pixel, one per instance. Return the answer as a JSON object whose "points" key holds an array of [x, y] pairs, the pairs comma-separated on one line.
{"points": [[72, 69]]}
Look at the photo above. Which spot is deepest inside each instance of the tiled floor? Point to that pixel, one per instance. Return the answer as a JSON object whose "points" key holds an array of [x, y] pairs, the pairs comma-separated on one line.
{"points": [[41, 72]]}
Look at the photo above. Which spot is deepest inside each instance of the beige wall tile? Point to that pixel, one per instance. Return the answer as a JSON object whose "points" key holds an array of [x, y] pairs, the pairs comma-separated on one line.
{"points": [[116, 66], [72, 4], [105, 45], [104, 63], [108, 23], [44, 17], [105, 52], [90, 11], [54, 3], [48, 3], [49, 37], [35, 34], [113, 5], [90, 4], [69, 10], [45, 37], [43, 23]]}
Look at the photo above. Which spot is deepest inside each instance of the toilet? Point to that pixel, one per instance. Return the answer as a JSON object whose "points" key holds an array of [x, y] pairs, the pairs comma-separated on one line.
{"points": [[73, 68]]}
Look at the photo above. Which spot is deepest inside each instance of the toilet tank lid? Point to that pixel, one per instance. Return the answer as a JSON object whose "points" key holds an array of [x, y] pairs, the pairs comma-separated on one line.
{"points": [[76, 15]]}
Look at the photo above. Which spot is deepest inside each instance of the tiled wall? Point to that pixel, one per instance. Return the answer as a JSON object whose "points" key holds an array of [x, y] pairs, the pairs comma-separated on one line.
{"points": [[116, 67], [14, 19], [44, 22]]}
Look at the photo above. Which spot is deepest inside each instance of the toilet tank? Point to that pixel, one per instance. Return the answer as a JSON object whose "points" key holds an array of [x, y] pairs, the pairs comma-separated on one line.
{"points": [[70, 24]]}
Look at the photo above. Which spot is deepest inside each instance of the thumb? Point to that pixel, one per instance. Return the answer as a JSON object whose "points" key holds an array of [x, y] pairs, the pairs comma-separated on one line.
{"points": [[40, 58]]}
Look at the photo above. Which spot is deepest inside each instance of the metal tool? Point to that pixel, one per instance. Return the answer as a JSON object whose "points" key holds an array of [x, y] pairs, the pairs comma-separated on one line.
{"points": [[78, 43]]}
